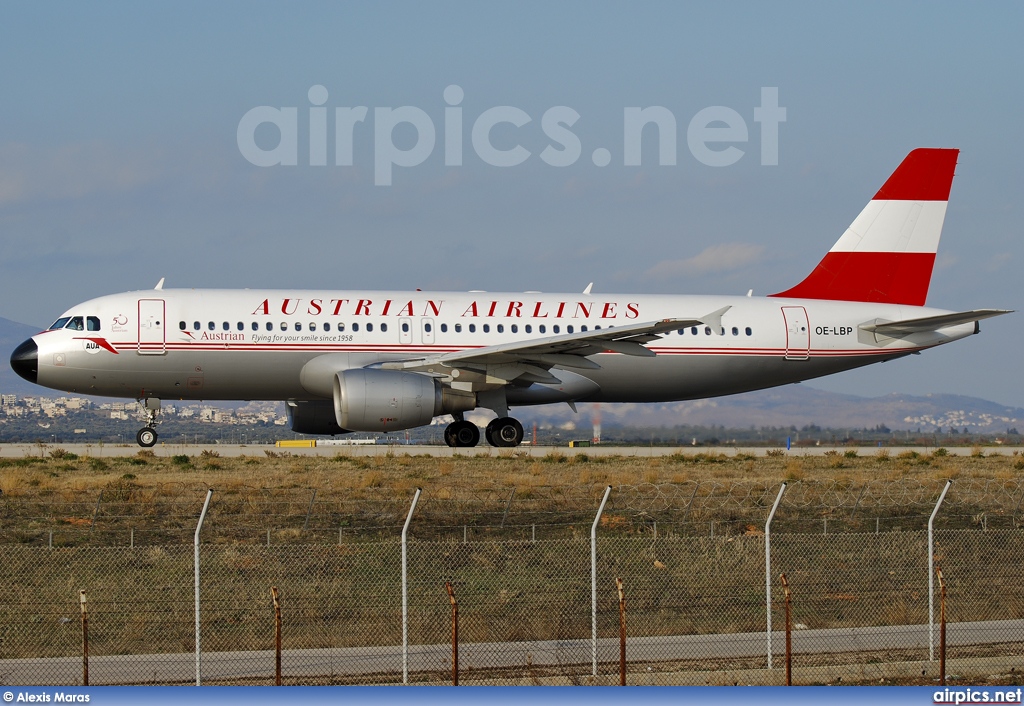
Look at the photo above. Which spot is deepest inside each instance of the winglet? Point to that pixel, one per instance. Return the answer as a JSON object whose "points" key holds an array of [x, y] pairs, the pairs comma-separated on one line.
{"points": [[160, 284], [589, 287]]}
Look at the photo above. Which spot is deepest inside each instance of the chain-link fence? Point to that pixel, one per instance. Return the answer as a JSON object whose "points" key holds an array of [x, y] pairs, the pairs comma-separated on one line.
{"points": [[692, 559]]}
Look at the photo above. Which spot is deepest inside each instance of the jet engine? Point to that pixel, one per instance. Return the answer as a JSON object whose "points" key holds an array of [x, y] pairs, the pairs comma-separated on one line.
{"points": [[367, 399]]}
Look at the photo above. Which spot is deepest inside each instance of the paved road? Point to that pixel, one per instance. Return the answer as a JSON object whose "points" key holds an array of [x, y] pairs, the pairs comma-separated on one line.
{"points": [[350, 662], [20, 450]]}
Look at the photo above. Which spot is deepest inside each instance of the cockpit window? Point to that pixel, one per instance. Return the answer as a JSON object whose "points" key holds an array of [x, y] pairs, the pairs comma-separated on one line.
{"points": [[92, 323], [76, 324], [60, 323]]}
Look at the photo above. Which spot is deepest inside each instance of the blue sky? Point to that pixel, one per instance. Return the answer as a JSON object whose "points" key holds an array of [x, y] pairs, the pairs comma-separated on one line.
{"points": [[120, 164]]}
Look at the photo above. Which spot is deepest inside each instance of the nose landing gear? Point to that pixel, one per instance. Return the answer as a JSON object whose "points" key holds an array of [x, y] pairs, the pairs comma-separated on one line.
{"points": [[147, 436]]}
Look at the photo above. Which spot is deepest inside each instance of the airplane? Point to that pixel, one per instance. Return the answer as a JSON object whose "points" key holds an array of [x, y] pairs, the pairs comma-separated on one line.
{"points": [[382, 361]]}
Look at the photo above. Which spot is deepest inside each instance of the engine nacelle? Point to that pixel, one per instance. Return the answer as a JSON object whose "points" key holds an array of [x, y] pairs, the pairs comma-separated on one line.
{"points": [[313, 417], [368, 399]]}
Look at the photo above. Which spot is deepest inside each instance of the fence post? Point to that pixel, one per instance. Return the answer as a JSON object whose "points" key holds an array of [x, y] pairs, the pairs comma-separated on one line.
{"points": [[85, 638], [931, 573], [195, 546], [455, 633], [405, 588], [768, 567], [789, 631], [96, 511], [593, 577], [622, 632], [942, 627], [309, 510], [277, 635], [508, 505]]}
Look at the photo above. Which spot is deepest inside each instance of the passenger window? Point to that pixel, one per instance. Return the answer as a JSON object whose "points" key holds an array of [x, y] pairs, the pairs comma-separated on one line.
{"points": [[226, 326], [270, 326], [196, 325], [327, 327], [76, 323], [341, 327], [181, 325], [707, 330], [515, 328], [444, 328], [369, 327], [694, 330], [60, 323], [543, 328], [384, 328], [210, 325], [298, 326], [355, 327], [583, 328], [529, 328], [241, 326], [555, 328], [472, 328], [748, 331], [255, 326], [312, 326], [284, 325], [487, 328], [735, 331], [427, 327], [458, 328], [568, 329], [501, 328], [92, 323], [405, 328]]}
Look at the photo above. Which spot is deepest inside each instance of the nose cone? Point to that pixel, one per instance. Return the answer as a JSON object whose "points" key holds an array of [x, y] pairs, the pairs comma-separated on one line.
{"points": [[25, 360]]}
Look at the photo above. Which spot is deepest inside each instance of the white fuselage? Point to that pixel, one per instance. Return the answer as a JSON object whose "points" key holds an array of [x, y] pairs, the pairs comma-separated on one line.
{"points": [[256, 344]]}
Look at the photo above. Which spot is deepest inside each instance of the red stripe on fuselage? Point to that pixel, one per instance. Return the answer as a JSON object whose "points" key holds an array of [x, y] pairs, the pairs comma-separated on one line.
{"points": [[881, 277]]}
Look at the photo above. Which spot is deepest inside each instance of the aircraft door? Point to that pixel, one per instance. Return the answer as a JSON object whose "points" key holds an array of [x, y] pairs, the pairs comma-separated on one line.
{"points": [[798, 333], [427, 331], [151, 327], [405, 330]]}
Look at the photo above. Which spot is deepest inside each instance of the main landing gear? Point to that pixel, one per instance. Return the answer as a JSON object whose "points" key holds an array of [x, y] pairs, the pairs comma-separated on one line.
{"points": [[147, 436], [502, 432]]}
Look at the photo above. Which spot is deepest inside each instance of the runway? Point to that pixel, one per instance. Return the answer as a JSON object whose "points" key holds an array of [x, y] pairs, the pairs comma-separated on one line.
{"points": [[526, 451]]}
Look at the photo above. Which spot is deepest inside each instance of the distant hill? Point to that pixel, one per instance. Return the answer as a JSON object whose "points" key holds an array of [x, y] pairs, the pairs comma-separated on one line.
{"points": [[11, 335], [799, 405]]}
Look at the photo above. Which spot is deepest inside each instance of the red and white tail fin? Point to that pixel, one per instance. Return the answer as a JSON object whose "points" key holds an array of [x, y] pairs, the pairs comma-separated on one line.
{"points": [[887, 253]]}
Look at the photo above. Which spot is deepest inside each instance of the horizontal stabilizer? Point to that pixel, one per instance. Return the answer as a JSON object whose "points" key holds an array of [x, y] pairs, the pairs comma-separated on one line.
{"points": [[931, 323]]}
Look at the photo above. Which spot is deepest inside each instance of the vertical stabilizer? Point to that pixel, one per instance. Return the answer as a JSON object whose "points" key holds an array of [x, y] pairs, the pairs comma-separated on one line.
{"points": [[888, 252]]}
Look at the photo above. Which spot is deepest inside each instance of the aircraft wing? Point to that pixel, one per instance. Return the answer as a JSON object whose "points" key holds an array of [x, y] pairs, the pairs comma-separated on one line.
{"points": [[931, 323], [532, 358]]}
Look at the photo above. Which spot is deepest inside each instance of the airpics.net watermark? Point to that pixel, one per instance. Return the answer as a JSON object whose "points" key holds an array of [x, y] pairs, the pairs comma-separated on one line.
{"points": [[712, 134]]}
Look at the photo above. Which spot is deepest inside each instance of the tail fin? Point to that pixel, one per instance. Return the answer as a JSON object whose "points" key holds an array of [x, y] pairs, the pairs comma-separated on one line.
{"points": [[887, 253]]}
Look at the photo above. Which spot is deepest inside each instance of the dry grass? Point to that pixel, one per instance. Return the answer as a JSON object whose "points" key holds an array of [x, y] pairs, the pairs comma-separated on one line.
{"points": [[148, 492]]}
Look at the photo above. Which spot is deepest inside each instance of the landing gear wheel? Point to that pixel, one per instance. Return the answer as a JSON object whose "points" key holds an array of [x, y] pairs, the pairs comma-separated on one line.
{"points": [[461, 434], [146, 437], [504, 432]]}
